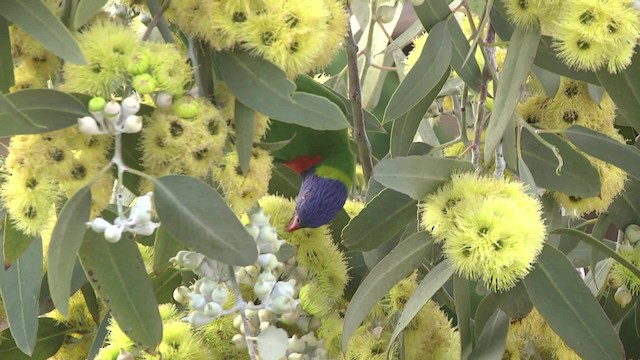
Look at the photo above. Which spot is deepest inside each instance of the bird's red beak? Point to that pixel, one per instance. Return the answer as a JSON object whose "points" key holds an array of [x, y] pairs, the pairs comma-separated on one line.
{"points": [[294, 224]]}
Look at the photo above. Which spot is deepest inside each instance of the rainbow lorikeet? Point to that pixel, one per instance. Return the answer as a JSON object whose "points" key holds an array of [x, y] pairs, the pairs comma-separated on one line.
{"points": [[326, 163]]}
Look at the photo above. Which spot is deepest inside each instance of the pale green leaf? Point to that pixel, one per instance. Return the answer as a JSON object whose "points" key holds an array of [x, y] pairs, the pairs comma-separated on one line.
{"points": [[462, 300], [517, 64], [492, 340], [417, 176], [425, 75], [20, 288], [117, 273], [564, 301], [264, 87], [194, 214], [428, 286], [101, 334], [6, 61], [379, 221], [85, 10], [66, 240], [244, 119], [15, 242], [386, 274], [34, 17]]}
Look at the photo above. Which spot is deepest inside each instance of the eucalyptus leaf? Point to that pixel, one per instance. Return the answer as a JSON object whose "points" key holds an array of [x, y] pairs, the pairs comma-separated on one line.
{"points": [[405, 38], [485, 309], [596, 92], [264, 87], [101, 334], [194, 214], [386, 274], [625, 209], [417, 176], [244, 120], [462, 299], [550, 81], [607, 149], [577, 177], [34, 17], [284, 181], [85, 10], [493, 338], [517, 64], [117, 273], [66, 240], [624, 89], [382, 217], [515, 302], [20, 288], [15, 242], [6, 61], [429, 285], [425, 75], [164, 248], [49, 340], [405, 127], [565, 302]]}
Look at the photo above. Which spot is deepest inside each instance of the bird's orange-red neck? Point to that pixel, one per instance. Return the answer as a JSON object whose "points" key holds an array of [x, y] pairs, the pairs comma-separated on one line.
{"points": [[303, 163]]}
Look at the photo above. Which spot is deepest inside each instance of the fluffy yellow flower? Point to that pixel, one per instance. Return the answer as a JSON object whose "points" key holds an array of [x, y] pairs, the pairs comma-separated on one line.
{"points": [[29, 198]]}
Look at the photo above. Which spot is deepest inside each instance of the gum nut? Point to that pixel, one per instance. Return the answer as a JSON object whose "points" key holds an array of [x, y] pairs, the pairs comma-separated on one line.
{"points": [[186, 107], [181, 294], [130, 105], [615, 280], [124, 355], [112, 233], [164, 100], [112, 109], [144, 83], [632, 234], [623, 296], [265, 315], [98, 224], [197, 301], [212, 309], [97, 104], [132, 124], [220, 294], [625, 247], [239, 341], [385, 13], [253, 230], [197, 319], [88, 125], [295, 344]]}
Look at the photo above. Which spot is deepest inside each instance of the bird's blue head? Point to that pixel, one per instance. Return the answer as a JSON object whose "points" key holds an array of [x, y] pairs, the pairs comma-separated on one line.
{"points": [[318, 201]]}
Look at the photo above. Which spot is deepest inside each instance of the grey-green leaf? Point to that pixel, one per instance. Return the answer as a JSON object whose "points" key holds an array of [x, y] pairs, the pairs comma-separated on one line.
{"points": [[264, 87], [34, 17], [566, 303], [244, 119], [428, 286], [600, 146], [425, 75], [405, 127], [625, 209], [492, 340], [624, 89], [20, 289], [194, 214], [49, 339], [381, 219], [517, 64], [117, 273], [164, 248], [85, 10], [577, 177], [550, 81], [66, 240], [385, 275], [6, 61], [417, 176]]}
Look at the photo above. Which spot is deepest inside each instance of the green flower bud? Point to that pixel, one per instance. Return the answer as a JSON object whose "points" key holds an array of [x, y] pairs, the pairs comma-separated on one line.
{"points": [[97, 104], [632, 234], [623, 296], [187, 107], [138, 63], [385, 13], [144, 84]]}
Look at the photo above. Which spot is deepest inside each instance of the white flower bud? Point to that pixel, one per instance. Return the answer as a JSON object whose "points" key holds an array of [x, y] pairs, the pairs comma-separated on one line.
{"points": [[262, 289], [197, 301], [145, 229], [141, 210], [132, 124], [197, 319], [212, 309], [130, 106], [625, 247], [259, 218], [632, 234], [385, 13], [267, 239], [181, 294], [281, 304], [220, 294], [623, 296], [265, 315], [88, 125], [125, 355], [112, 233], [98, 224], [239, 341], [290, 317], [112, 111], [310, 339], [295, 356], [253, 230], [164, 100], [252, 271], [264, 325], [285, 288], [237, 321], [295, 344], [267, 261], [188, 259]]}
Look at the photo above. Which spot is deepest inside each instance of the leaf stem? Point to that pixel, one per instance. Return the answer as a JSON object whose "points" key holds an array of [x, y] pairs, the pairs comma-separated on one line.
{"points": [[544, 142], [359, 132], [242, 306]]}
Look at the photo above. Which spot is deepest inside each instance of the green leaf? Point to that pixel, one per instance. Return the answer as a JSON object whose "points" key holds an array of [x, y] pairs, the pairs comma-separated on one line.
{"points": [[274, 146], [461, 297], [625, 209], [515, 302], [20, 287], [101, 335], [624, 89], [284, 181], [85, 10], [425, 75], [432, 12], [66, 240], [386, 274], [91, 301], [165, 247], [6, 61], [194, 214], [78, 279], [165, 283], [596, 92], [244, 119], [15, 242], [595, 243], [307, 84], [562, 298], [132, 156], [600, 146], [49, 340], [492, 340], [550, 81], [428, 286], [577, 177], [405, 127], [38, 111], [34, 17], [117, 273], [486, 307], [264, 87], [517, 64], [417, 176], [527, 178], [383, 217]]}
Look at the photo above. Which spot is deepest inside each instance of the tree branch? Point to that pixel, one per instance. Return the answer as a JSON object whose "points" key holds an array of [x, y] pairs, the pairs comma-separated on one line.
{"points": [[482, 99], [359, 132]]}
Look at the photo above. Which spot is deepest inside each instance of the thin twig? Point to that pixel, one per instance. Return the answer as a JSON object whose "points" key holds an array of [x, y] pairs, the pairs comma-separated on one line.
{"points": [[157, 17], [479, 125], [359, 132], [367, 49], [241, 305]]}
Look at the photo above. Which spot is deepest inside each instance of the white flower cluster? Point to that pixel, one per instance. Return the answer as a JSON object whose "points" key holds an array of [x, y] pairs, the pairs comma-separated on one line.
{"points": [[111, 117], [138, 222]]}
